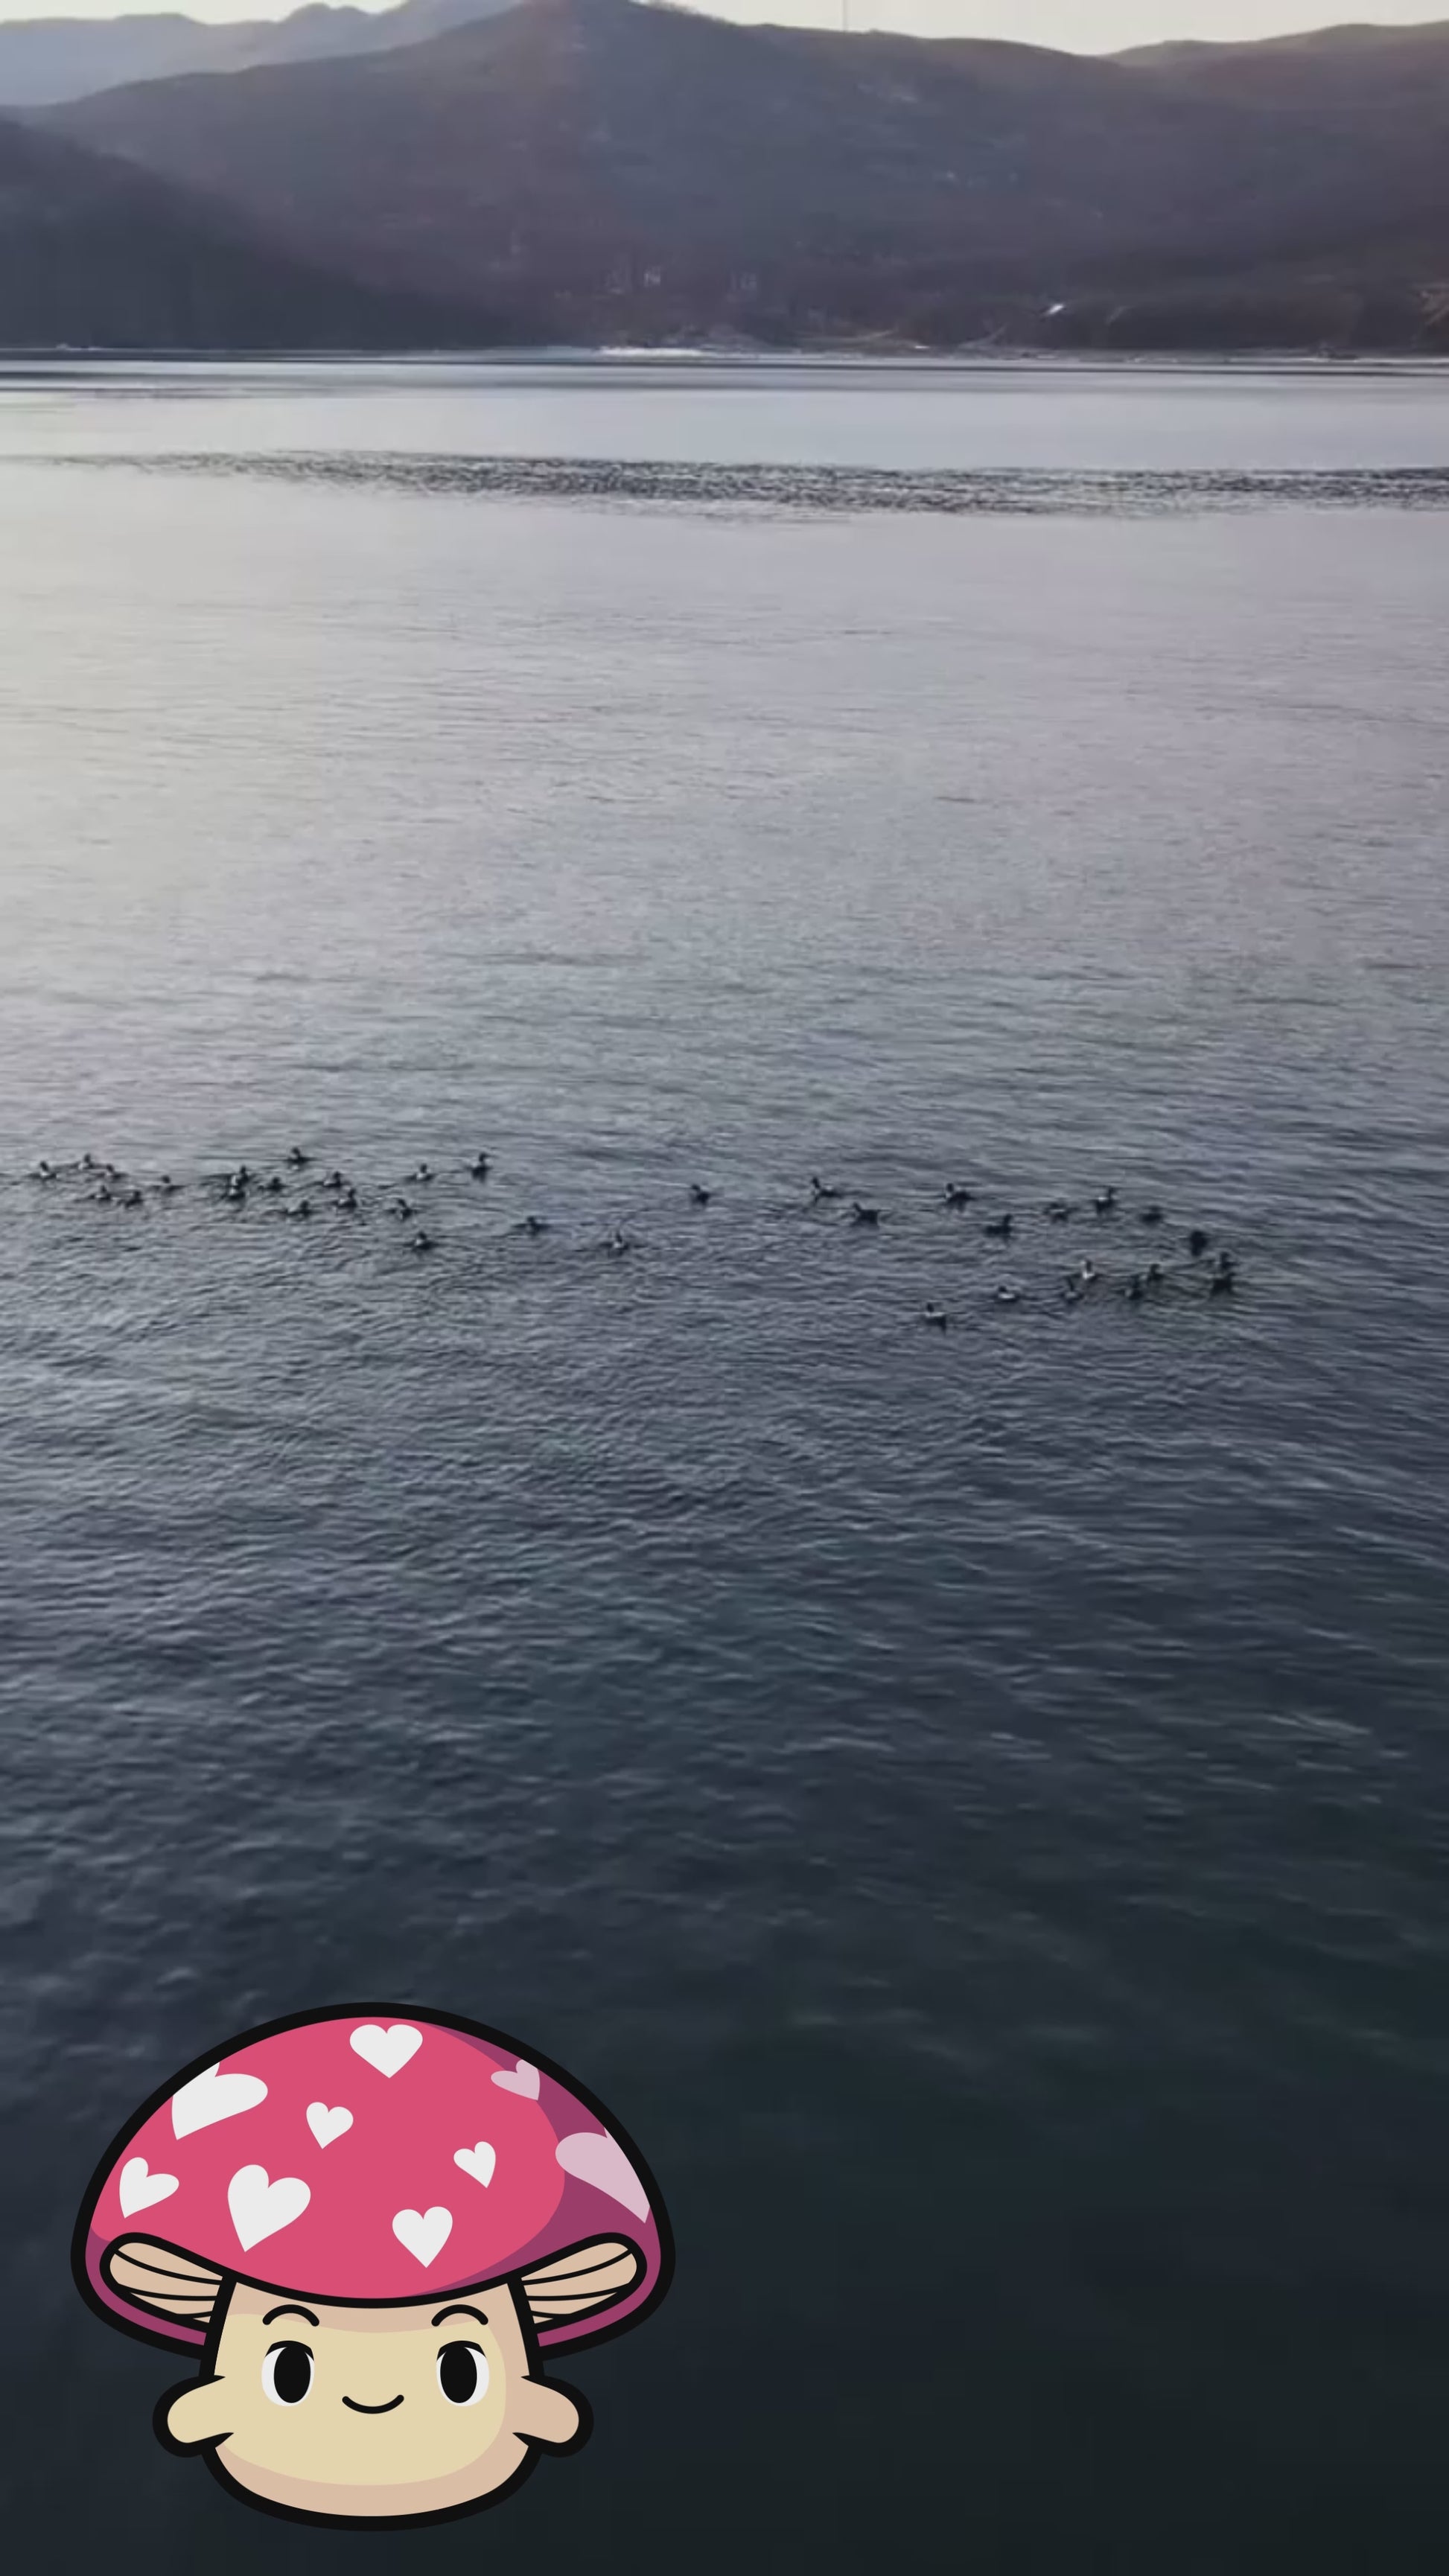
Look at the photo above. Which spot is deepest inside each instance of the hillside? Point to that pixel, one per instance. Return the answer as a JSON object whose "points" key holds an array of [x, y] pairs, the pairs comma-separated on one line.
{"points": [[94, 255], [46, 61], [600, 170]]}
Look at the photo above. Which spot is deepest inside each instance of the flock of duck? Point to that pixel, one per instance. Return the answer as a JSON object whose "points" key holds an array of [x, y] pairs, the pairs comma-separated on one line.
{"points": [[298, 1190]]}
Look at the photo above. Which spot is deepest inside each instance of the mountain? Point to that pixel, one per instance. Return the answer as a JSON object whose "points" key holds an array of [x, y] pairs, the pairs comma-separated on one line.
{"points": [[96, 255], [46, 61], [604, 171]]}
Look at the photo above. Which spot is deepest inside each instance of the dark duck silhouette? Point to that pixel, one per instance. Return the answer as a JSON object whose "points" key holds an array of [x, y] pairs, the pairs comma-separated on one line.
{"points": [[698, 1195], [822, 1189], [861, 1213], [956, 1196], [999, 1228]]}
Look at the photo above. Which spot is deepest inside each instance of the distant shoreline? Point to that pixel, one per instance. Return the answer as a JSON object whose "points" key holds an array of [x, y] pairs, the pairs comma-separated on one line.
{"points": [[836, 355]]}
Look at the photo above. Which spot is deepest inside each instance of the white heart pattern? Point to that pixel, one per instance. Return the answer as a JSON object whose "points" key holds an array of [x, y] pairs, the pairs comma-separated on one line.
{"points": [[479, 2161], [140, 2189], [388, 2050], [424, 2232], [214, 2096], [259, 2207], [326, 2125], [591, 2157], [524, 2080]]}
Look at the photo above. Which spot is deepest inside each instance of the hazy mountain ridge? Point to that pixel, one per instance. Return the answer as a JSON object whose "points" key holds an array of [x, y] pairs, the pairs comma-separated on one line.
{"points": [[592, 170], [45, 62], [94, 254]]}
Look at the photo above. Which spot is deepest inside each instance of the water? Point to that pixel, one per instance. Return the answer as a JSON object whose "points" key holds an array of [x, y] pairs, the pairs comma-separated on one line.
{"points": [[975, 1804]]}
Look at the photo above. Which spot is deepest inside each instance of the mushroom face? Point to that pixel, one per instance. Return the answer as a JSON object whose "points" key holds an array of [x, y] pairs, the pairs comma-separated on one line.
{"points": [[360, 2414]]}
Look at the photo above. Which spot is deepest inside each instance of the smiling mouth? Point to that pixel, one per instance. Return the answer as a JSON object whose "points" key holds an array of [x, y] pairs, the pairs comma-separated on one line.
{"points": [[359, 2409]]}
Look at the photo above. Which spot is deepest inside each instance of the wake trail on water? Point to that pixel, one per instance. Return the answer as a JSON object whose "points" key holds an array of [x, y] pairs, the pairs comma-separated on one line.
{"points": [[811, 490]]}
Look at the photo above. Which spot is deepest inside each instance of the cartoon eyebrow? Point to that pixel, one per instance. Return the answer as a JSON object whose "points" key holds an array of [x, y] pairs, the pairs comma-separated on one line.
{"points": [[273, 2313], [475, 2313]]}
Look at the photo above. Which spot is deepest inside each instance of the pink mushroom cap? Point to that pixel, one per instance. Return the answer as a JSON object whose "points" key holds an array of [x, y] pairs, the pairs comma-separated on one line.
{"points": [[372, 2157]]}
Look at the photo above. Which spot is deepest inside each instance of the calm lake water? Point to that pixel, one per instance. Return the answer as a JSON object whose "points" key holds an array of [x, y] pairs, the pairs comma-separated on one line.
{"points": [[976, 1803]]}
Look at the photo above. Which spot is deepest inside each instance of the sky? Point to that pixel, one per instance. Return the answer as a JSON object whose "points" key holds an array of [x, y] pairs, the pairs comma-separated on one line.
{"points": [[1083, 25]]}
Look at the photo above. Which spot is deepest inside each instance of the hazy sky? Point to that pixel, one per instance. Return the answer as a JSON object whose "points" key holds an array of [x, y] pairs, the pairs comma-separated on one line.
{"points": [[1083, 24]]}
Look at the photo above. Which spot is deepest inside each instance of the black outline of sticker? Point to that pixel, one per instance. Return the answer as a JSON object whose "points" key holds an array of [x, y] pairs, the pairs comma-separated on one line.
{"points": [[604, 2332]]}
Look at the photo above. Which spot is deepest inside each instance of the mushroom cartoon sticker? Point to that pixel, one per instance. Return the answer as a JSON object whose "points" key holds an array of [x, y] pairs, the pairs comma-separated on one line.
{"points": [[370, 2229]]}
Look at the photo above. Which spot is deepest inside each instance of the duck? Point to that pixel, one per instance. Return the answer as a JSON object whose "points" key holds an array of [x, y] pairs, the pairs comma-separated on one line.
{"points": [[698, 1195], [334, 1181], [1086, 1275], [300, 1207], [1136, 1289], [420, 1242], [166, 1188], [956, 1196], [103, 1194], [1061, 1211], [999, 1227], [1199, 1242], [822, 1189], [936, 1317], [1004, 1296], [273, 1186], [1223, 1280], [1105, 1202], [618, 1242], [401, 1207], [532, 1225], [134, 1199], [480, 1167], [1155, 1274], [44, 1170], [863, 1214], [423, 1173], [348, 1201], [296, 1160], [1151, 1215]]}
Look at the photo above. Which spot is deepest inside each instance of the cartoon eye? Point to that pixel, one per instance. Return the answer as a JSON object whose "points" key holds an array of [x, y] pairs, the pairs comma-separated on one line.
{"points": [[462, 2373], [287, 2373]]}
